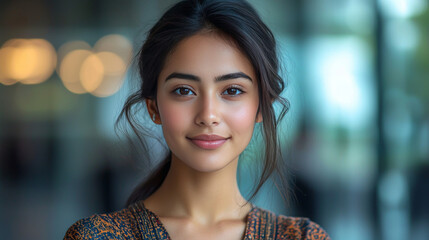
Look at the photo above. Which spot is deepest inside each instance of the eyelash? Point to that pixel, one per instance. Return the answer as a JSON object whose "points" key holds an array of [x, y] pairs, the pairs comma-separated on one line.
{"points": [[176, 91], [236, 88]]}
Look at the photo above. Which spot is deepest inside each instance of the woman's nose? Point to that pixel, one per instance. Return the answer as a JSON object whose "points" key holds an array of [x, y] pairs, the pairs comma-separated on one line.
{"points": [[208, 111]]}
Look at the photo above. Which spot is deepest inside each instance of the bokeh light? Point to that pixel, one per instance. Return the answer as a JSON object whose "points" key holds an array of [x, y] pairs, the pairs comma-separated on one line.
{"points": [[91, 73], [70, 70], [5, 55], [403, 8], [100, 70], [115, 43], [82, 69], [29, 61], [69, 47], [114, 73]]}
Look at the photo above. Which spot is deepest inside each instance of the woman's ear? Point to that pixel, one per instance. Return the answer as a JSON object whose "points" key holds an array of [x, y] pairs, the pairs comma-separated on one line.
{"points": [[152, 109]]}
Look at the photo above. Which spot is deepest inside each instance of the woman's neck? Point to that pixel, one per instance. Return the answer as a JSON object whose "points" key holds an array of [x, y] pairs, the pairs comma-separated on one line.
{"points": [[203, 197]]}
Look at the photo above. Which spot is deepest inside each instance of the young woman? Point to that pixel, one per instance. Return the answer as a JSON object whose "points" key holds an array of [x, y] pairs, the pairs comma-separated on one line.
{"points": [[209, 75]]}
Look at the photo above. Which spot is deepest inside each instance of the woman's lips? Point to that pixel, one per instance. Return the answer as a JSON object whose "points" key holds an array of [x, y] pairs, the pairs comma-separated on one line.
{"points": [[208, 141]]}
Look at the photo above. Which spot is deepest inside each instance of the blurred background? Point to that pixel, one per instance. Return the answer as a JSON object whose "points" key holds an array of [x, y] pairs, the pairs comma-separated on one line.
{"points": [[356, 137]]}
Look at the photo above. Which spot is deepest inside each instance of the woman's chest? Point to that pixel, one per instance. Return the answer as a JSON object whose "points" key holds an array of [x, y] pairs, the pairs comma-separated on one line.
{"points": [[178, 229]]}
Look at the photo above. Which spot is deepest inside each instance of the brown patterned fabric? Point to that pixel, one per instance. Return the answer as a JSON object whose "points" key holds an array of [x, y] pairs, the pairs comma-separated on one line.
{"points": [[137, 222]]}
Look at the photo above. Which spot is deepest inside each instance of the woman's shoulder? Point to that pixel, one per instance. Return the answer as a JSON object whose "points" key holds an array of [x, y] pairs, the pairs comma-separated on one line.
{"points": [[116, 225], [286, 227], [301, 227]]}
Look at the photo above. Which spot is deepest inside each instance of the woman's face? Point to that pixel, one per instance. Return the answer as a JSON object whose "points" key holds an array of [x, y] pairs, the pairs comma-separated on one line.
{"points": [[207, 102]]}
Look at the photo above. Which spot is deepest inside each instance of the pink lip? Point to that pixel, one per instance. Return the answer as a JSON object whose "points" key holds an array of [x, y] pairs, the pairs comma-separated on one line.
{"points": [[206, 141]]}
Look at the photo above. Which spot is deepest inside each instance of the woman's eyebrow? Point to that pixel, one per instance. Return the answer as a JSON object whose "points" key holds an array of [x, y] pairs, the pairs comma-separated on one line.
{"points": [[233, 76], [217, 79], [183, 76]]}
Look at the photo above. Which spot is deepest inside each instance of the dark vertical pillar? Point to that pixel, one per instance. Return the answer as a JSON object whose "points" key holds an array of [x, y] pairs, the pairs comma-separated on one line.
{"points": [[380, 142]]}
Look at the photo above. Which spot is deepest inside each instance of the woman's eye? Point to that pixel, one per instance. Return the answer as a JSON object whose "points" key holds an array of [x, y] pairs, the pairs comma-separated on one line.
{"points": [[183, 91], [232, 91]]}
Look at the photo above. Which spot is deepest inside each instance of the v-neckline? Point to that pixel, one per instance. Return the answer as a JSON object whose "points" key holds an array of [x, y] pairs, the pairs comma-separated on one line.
{"points": [[156, 220]]}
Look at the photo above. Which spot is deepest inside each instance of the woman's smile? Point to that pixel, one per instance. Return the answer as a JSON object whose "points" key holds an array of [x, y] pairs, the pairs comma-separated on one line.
{"points": [[209, 142]]}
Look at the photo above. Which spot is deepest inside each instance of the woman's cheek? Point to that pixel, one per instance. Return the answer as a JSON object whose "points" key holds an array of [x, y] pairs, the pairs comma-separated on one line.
{"points": [[242, 119], [174, 117]]}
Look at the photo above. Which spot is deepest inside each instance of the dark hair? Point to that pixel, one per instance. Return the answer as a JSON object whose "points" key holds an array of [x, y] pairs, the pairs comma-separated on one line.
{"points": [[236, 19]]}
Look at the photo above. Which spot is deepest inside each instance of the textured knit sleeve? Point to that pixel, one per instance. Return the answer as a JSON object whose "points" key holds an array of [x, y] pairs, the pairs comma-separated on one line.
{"points": [[301, 228], [117, 225], [94, 227]]}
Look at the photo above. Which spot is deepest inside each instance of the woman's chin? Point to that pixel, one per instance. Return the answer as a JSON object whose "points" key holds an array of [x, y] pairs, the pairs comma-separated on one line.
{"points": [[207, 165]]}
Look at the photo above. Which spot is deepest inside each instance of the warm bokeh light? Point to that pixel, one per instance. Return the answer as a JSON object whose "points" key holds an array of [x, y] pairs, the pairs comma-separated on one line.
{"points": [[82, 69], [117, 44], [91, 73], [5, 55], [69, 47], [29, 61], [22, 59], [70, 69], [102, 73], [109, 86], [99, 71], [113, 64], [114, 71]]}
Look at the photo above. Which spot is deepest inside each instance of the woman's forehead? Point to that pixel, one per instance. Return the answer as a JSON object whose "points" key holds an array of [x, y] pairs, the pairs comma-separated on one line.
{"points": [[207, 53]]}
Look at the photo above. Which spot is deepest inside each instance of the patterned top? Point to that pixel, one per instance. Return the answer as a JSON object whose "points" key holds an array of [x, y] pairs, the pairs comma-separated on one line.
{"points": [[137, 222]]}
